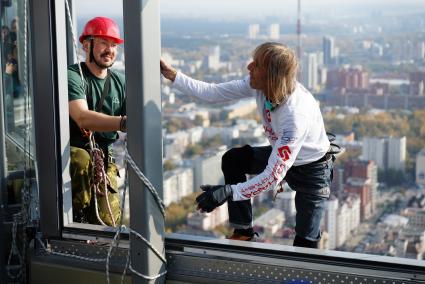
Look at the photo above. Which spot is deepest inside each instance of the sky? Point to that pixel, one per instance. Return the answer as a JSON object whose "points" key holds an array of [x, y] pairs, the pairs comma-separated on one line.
{"points": [[251, 8]]}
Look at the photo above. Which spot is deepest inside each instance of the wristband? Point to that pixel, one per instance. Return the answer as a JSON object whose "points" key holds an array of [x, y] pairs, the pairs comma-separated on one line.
{"points": [[123, 124]]}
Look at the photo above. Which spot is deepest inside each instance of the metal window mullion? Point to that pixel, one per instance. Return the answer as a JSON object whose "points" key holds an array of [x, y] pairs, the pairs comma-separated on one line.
{"points": [[142, 51], [62, 56], [3, 167], [48, 83], [69, 43]]}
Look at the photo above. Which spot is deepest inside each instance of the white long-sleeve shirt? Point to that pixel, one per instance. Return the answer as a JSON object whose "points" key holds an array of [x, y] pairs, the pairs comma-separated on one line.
{"points": [[294, 129]]}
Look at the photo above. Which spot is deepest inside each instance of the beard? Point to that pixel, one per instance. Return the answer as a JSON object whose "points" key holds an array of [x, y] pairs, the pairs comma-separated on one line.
{"points": [[103, 64]]}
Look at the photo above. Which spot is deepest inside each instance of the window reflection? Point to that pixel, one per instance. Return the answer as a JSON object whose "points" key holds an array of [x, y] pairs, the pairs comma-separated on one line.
{"points": [[17, 103]]}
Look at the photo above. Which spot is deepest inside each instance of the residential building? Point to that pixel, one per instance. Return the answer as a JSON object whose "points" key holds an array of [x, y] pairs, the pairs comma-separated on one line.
{"points": [[310, 71], [388, 152], [420, 168], [177, 184], [207, 169], [270, 222], [274, 32], [253, 31], [208, 221]]}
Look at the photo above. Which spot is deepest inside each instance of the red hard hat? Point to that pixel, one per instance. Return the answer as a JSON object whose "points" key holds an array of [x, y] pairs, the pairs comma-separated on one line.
{"points": [[103, 27]]}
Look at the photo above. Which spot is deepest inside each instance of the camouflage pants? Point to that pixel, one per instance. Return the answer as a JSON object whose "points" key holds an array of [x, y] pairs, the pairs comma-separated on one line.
{"points": [[83, 203]]}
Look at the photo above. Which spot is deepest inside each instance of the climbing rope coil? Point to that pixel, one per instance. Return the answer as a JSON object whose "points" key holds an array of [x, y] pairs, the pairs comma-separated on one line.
{"points": [[99, 177]]}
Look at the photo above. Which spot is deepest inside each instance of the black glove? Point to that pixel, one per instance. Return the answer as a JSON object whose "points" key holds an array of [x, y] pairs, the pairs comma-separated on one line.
{"points": [[213, 196]]}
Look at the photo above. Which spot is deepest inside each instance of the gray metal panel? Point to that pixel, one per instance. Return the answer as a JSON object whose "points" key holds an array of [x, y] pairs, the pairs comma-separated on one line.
{"points": [[45, 116], [59, 23], [71, 57], [68, 270], [202, 269], [197, 260], [201, 260], [142, 51], [3, 192]]}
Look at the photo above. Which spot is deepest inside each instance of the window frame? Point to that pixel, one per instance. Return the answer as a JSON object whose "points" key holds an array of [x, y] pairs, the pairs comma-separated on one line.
{"points": [[49, 20], [141, 18]]}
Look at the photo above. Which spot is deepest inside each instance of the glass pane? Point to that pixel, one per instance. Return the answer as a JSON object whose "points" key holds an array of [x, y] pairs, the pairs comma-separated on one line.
{"points": [[17, 103], [369, 82], [20, 191]]}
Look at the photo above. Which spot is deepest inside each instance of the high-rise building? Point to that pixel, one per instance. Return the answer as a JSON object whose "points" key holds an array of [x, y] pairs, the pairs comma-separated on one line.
{"points": [[212, 60], [367, 170], [417, 80], [361, 187], [330, 222], [322, 75], [397, 153], [341, 218], [388, 153], [420, 168], [274, 32], [329, 52], [420, 50], [349, 78], [310, 71], [253, 31], [375, 149]]}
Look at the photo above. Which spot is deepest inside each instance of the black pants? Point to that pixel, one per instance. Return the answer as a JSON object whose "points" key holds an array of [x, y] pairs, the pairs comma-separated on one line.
{"points": [[311, 181]]}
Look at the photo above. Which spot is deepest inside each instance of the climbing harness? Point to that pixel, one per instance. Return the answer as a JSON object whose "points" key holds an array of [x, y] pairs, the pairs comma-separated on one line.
{"points": [[334, 150]]}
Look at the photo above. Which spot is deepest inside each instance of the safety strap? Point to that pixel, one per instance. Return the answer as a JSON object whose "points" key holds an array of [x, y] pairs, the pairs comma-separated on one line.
{"points": [[105, 91], [334, 148]]}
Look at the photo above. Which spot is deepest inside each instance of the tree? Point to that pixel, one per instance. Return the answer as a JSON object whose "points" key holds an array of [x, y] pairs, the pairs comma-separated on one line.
{"points": [[176, 213], [199, 120], [168, 165], [193, 150]]}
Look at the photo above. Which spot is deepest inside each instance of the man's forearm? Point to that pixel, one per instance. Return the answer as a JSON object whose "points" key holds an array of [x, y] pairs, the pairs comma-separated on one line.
{"points": [[96, 121]]}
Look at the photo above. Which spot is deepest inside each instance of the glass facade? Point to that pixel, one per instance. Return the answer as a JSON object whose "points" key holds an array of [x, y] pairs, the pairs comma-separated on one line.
{"points": [[17, 108]]}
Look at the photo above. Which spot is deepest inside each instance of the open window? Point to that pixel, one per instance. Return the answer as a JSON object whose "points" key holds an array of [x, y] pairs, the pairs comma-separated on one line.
{"points": [[368, 96]]}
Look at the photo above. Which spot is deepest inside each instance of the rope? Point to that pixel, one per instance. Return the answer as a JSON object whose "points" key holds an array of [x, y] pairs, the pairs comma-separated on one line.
{"points": [[145, 276], [14, 248], [110, 252], [45, 249], [149, 245], [96, 208], [71, 25], [146, 181], [99, 175]]}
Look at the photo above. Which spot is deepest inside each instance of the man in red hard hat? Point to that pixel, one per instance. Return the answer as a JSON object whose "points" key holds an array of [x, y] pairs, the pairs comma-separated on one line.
{"points": [[96, 98]]}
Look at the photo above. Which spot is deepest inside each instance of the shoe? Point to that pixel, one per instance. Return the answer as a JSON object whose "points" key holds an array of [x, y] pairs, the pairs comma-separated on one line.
{"points": [[238, 237]]}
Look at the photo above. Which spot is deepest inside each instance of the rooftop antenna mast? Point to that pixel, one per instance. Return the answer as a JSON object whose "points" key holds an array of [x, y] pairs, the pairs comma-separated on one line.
{"points": [[299, 36]]}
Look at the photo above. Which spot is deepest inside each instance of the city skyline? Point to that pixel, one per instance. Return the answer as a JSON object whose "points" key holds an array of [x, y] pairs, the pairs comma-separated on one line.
{"points": [[246, 9]]}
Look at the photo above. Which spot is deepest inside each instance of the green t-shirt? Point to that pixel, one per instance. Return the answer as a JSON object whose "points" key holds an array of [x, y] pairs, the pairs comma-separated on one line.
{"points": [[114, 103]]}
